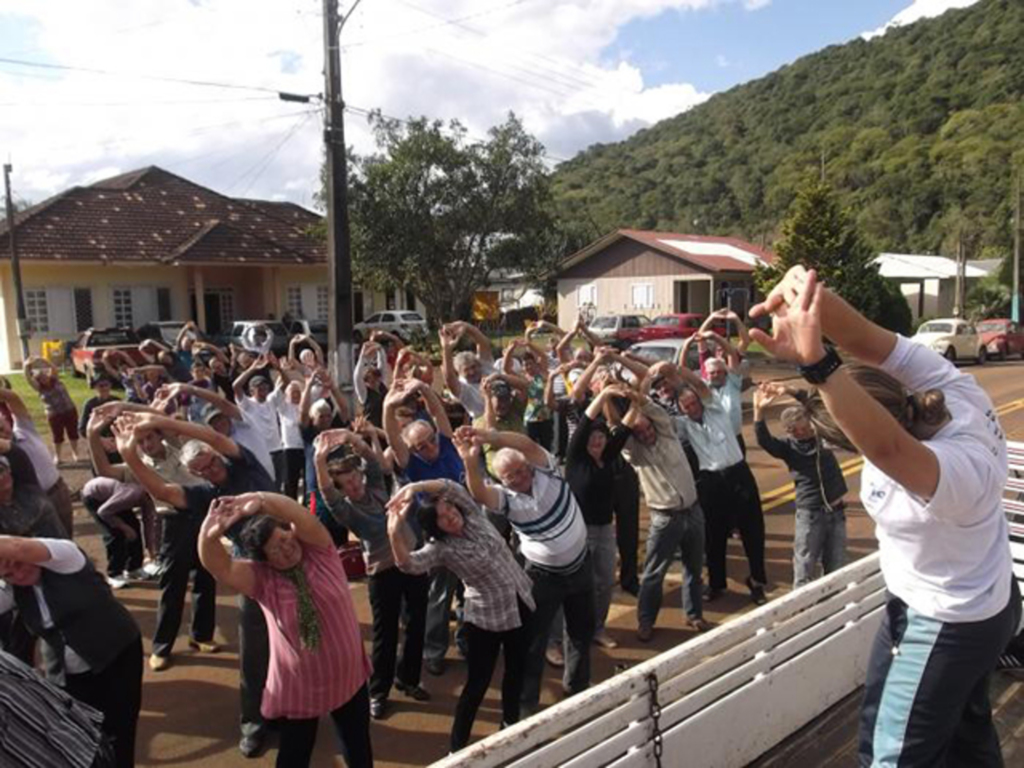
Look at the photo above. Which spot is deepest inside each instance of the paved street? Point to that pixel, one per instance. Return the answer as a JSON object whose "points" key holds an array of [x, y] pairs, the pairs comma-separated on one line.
{"points": [[189, 711]]}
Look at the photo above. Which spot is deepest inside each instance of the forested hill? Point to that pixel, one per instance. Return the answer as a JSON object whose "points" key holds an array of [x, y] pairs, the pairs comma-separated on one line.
{"points": [[919, 128]]}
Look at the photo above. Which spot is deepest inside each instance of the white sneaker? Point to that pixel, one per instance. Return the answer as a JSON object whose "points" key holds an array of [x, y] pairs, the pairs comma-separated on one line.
{"points": [[139, 574], [152, 568], [117, 582]]}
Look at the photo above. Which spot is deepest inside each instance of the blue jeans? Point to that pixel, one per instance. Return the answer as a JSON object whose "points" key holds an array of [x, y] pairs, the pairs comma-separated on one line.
{"points": [[820, 536], [443, 586], [676, 531]]}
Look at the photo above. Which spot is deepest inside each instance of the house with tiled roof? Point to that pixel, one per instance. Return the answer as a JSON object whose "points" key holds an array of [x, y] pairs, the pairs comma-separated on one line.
{"points": [[654, 273], [149, 245]]}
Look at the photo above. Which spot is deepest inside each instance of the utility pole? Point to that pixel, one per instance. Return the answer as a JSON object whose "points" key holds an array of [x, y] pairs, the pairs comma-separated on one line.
{"points": [[339, 247], [1018, 227], [23, 331], [958, 301]]}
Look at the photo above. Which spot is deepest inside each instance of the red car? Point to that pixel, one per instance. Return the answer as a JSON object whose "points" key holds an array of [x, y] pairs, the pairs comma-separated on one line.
{"points": [[106, 339], [678, 326], [1001, 338]]}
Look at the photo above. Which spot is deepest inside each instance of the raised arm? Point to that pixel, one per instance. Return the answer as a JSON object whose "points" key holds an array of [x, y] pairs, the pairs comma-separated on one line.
{"points": [[732, 356], [483, 344], [127, 435], [237, 574], [100, 463], [21, 549], [16, 405], [435, 407], [468, 444], [741, 328], [220, 402], [239, 384], [186, 329], [451, 376], [392, 428], [533, 452]]}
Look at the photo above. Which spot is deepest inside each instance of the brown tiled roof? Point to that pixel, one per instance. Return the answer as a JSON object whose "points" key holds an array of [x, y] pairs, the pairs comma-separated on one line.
{"points": [[150, 215]]}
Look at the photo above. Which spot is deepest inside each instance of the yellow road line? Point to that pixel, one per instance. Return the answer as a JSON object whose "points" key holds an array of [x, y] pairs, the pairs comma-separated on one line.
{"points": [[787, 493]]}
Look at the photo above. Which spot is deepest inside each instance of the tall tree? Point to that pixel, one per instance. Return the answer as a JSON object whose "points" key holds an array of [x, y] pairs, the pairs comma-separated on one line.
{"points": [[819, 233], [439, 214]]}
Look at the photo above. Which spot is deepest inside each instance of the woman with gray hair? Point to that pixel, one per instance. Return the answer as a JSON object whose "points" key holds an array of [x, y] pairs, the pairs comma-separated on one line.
{"points": [[935, 464]]}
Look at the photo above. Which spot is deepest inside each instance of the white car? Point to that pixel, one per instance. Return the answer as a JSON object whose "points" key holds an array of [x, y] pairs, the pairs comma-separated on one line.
{"points": [[667, 349], [403, 323], [953, 338]]}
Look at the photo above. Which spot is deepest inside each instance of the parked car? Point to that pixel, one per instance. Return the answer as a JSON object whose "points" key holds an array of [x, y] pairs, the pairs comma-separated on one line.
{"points": [[240, 334], [164, 331], [403, 323], [618, 330], [678, 326], [88, 343], [667, 349], [317, 329], [1002, 338], [956, 339]]}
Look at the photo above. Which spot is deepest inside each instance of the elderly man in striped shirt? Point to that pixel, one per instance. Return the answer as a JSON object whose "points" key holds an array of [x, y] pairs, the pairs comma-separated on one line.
{"points": [[553, 537]]}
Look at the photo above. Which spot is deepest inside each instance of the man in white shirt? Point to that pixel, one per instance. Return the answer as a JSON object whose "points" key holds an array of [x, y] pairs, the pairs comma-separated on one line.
{"points": [[261, 408], [553, 538]]}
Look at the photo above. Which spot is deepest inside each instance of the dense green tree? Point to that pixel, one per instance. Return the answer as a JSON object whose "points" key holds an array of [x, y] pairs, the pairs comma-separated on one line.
{"points": [[912, 126], [819, 234], [439, 214]]}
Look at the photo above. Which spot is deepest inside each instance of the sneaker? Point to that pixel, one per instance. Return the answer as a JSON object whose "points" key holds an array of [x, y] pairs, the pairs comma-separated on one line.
{"points": [[117, 582], [435, 667], [645, 633], [698, 625], [555, 656], [711, 594], [1010, 662], [378, 707], [203, 646], [604, 640], [251, 744], [139, 574], [159, 663], [153, 568], [756, 592], [415, 692]]}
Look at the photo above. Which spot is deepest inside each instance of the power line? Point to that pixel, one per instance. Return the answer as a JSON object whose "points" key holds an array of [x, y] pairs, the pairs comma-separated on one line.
{"points": [[444, 23], [157, 78], [261, 165], [175, 102]]}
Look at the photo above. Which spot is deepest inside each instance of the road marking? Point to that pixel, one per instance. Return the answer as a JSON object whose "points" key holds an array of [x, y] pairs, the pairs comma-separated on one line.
{"points": [[787, 493]]}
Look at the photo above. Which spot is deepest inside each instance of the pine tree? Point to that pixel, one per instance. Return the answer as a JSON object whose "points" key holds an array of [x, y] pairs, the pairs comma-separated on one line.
{"points": [[819, 234]]}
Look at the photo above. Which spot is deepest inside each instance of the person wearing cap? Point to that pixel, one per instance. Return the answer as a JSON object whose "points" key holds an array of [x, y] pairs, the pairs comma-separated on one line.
{"points": [[225, 417], [504, 407], [352, 483], [465, 371], [102, 386], [227, 469], [260, 406], [318, 414], [17, 426], [820, 534]]}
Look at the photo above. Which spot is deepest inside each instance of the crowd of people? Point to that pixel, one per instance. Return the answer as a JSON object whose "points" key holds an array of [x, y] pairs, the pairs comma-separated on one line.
{"points": [[506, 487]]}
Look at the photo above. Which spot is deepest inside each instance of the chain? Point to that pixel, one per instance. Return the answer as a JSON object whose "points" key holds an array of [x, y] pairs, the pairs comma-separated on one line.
{"points": [[659, 747]]}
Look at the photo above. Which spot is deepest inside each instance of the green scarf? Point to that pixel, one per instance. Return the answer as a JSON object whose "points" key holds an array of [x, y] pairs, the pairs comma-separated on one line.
{"points": [[309, 619]]}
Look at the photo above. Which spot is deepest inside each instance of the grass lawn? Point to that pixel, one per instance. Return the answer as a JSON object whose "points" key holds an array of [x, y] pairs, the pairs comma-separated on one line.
{"points": [[77, 388]]}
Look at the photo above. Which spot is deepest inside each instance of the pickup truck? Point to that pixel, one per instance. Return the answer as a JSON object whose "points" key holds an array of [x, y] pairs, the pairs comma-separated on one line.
{"points": [[84, 349]]}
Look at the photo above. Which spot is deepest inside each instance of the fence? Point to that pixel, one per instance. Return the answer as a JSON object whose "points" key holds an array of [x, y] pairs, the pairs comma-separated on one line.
{"points": [[770, 671]]}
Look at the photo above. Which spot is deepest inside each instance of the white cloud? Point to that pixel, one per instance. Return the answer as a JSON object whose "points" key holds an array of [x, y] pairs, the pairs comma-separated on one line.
{"points": [[541, 59], [918, 9], [755, 5]]}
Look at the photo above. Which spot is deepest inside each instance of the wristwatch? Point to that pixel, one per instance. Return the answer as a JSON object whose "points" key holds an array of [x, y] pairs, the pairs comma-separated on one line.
{"points": [[818, 373]]}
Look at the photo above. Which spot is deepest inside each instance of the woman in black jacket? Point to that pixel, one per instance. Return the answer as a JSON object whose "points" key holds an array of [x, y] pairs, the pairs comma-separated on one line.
{"points": [[63, 599]]}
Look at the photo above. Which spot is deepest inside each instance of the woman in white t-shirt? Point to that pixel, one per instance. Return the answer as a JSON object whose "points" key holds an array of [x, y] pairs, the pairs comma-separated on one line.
{"points": [[934, 471]]}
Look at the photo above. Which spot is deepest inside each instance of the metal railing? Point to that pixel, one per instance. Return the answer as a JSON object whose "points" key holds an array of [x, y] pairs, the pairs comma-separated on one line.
{"points": [[728, 696]]}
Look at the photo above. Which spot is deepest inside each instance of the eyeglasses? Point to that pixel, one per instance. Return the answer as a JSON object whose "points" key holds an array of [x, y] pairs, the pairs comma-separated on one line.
{"points": [[425, 444]]}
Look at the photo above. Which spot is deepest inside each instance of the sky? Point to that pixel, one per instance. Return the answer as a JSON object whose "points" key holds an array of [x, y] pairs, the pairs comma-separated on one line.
{"points": [[92, 89]]}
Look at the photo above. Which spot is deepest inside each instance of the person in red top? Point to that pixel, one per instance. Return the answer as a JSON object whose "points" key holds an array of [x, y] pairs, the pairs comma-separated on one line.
{"points": [[317, 662]]}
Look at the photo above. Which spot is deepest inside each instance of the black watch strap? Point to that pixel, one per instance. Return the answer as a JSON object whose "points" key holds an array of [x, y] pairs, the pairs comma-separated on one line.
{"points": [[818, 372]]}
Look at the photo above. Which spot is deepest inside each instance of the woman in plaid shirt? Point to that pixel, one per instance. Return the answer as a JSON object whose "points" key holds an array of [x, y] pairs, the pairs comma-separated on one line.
{"points": [[498, 593]]}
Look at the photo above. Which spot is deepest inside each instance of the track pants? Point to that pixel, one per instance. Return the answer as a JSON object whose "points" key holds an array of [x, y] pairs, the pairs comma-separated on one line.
{"points": [[926, 696]]}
